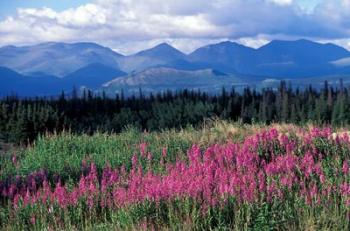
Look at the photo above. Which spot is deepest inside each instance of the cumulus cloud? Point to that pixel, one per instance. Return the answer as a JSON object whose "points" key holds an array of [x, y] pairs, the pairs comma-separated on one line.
{"points": [[282, 2], [129, 24]]}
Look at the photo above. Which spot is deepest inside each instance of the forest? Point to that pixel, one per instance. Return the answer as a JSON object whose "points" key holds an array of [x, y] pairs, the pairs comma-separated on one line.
{"points": [[22, 120]]}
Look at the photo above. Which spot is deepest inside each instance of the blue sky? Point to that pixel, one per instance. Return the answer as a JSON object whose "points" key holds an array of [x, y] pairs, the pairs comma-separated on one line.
{"points": [[308, 4], [131, 25]]}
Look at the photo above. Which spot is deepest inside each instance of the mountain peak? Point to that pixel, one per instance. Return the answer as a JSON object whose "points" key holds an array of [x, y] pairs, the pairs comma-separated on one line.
{"points": [[160, 47], [56, 58], [228, 43], [77, 45], [225, 56], [304, 41], [303, 44], [163, 51], [164, 45], [299, 42], [225, 46]]}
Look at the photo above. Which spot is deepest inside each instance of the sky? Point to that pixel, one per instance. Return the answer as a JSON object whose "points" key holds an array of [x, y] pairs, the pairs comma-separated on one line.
{"points": [[128, 26], [9, 7]]}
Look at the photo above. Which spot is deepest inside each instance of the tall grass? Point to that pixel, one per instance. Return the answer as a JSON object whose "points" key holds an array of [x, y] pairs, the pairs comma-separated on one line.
{"points": [[62, 154], [224, 176]]}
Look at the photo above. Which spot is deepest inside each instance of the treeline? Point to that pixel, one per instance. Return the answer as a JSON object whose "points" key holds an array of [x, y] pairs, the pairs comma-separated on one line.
{"points": [[21, 120]]}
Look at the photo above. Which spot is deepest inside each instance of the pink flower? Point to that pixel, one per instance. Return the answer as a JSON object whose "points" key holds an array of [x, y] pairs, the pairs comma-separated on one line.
{"points": [[149, 156], [164, 152], [16, 200], [134, 161], [32, 220], [60, 195], [74, 196], [264, 167], [26, 199], [14, 159], [143, 148]]}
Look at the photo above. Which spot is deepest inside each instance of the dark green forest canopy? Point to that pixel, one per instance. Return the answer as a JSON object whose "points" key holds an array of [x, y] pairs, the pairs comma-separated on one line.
{"points": [[22, 120]]}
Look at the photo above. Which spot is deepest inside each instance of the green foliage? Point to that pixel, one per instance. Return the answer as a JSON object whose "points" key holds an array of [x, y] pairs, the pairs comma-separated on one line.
{"points": [[22, 120], [63, 154]]}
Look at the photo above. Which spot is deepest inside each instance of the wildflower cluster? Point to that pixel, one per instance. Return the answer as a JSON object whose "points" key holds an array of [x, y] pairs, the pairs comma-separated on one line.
{"points": [[308, 169]]}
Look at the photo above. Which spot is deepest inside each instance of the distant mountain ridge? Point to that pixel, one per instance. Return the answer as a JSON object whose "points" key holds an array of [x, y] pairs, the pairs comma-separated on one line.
{"points": [[15, 83], [162, 51], [301, 58], [156, 56], [225, 56], [91, 65], [161, 79], [91, 77], [58, 59], [281, 59]]}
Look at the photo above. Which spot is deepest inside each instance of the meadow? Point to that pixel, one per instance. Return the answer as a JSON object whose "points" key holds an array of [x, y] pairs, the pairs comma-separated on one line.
{"points": [[222, 176]]}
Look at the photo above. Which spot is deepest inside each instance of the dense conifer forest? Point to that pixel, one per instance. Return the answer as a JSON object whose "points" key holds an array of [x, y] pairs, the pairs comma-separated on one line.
{"points": [[22, 120]]}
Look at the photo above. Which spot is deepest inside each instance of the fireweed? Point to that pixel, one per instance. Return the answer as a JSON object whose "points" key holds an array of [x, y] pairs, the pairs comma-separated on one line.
{"points": [[307, 170]]}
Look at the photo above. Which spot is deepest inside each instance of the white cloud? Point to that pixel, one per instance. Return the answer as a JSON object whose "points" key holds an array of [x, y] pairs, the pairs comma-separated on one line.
{"points": [[127, 24], [83, 16], [282, 2], [36, 13], [254, 42]]}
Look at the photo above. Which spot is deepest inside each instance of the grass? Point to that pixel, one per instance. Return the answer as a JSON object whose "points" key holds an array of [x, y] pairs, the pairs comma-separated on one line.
{"points": [[63, 154]]}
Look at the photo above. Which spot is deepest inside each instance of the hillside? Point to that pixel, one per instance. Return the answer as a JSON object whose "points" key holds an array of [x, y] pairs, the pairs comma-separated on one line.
{"points": [[162, 79]]}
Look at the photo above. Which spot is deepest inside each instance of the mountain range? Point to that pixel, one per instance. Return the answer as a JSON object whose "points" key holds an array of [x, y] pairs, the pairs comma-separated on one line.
{"points": [[49, 68]]}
